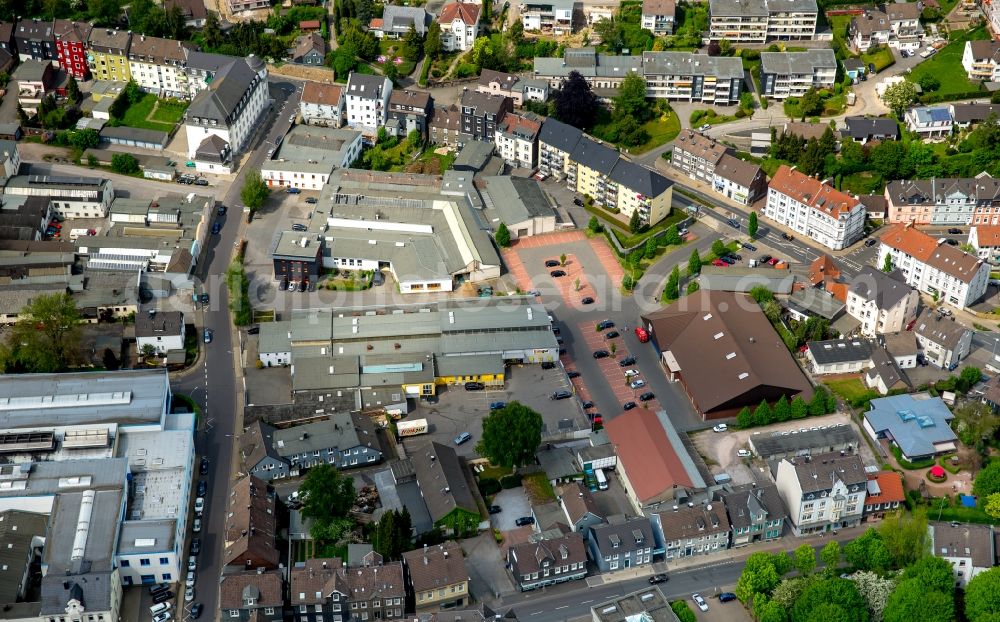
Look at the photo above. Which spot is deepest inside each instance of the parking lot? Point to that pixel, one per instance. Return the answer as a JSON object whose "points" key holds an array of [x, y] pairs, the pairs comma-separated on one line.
{"points": [[610, 366], [514, 504]]}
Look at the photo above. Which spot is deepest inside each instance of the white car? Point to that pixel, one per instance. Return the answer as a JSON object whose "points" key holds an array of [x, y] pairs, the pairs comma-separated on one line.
{"points": [[698, 600], [637, 384], [189, 582], [199, 506], [704, 127], [192, 563], [196, 527], [189, 594], [162, 617], [743, 453], [720, 427], [631, 372]]}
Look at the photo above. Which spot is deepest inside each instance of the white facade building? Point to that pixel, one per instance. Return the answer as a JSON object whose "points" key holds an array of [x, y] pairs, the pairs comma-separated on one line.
{"points": [[823, 492], [883, 303], [814, 209], [159, 66], [459, 25], [367, 103], [322, 104], [516, 140]]}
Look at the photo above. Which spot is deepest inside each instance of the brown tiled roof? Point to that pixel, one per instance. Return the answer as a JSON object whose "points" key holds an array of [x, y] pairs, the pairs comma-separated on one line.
{"points": [[318, 93], [468, 12], [110, 40], [822, 269], [306, 43], [436, 567], [726, 348], [902, 10], [190, 9], [373, 581], [157, 50], [263, 587], [376, 23], [645, 453], [933, 252], [565, 550], [870, 22], [448, 118], [734, 169], [701, 146], [407, 97], [982, 50], [6, 31], [658, 7], [521, 124], [812, 192], [968, 540], [890, 486], [694, 522], [69, 31], [987, 236], [312, 581], [579, 501], [309, 23], [250, 524]]}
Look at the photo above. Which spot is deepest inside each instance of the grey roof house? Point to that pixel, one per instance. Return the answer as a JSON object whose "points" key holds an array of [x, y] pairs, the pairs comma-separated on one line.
{"points": [[756, 513], [310, 49], [397, 20], [537, 564], [624, 543], [867, 129], [579, 508]]}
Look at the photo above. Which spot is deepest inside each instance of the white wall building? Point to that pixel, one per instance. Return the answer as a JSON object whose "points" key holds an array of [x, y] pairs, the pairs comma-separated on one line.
{"points": [[459, 25], [883, 303], [163, 331], [981, 60], [516, 140], [791, 74], [367, 103], [814, 209], [969, 548], [823, 492], [322, 104], [159, 66], [71, 197], [309, 154]]}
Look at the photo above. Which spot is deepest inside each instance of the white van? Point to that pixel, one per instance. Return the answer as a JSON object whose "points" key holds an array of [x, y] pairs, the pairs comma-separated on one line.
{"points": [[602, 481], [158, 609]]}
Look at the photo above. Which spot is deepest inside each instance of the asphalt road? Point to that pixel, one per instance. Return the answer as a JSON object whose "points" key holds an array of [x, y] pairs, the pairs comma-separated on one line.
{"points": [[214, 386]]}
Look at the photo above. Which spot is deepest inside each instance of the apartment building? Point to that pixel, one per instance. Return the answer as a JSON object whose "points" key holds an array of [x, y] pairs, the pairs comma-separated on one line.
{"points": [[658, 16], [943, 341], [981, 60], [408, 112], [108, 54], [691, 77], [692, 530], [705, 160], [35, 39], [459, 25], [548, 16], [322, 104], [946, 201], [969, 548], [945, 272], [882, 302], [756, 513], [71, 42], [328, 590], [814, 209], [603, 72], [159, 66], [515, 87], [516, 139], [366, 104], [791, 74], [986, 240], [759, 21], [482, 113], [904, 20], [622, 544], [822, 492], [438, 577], [237, 6], [547, 562], [868, 30]]}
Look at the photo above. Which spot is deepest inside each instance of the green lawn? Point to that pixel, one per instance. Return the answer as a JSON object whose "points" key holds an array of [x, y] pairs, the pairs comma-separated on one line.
{"points": [[865, 182], [709, 116], [882, 57], [661, 130], [946, 65], [169, 111], [832, 106], [848, 388], [138, 115]]}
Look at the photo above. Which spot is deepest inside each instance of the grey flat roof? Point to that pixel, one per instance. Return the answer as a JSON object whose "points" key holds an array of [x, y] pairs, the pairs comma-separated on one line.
{"points": [[738, 279], [472, 365], [840, 350], [517, 199], [588, 65], [136, 536], [690, 63], [795, 442], [797, 63], [815, 302], [45, 400], [296, 245], [134, 133], [306, 143]]}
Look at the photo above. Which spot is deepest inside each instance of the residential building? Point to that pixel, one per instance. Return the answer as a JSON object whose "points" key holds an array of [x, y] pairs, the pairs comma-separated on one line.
{"points": [[322, 104], [397, 20], [692, 77], [964, 116], [459, 25], [310, 49], [71, 41], [482, 113], [194, 12], [692, 530], [229, 109], [251, 595], [648, 604], [929, 122], [758, 21], [981, 60], [70, 197], [885, 494], [159, 66], [438, 577], [327, 590], [839, 356], [756, 513], [825, 274], [724, 352], [108, 54], [367, 103], [446, 127], [238, 6], [517, 139], [653, 465], [822, 492], [904, 18], [445, 489], [791, 74], [815, 209], [985, 239], [625, 543], [579, 507], [35, 39], [603, 72], [948, 201], [885, 374], [943, 341], [343, 440], [521, 204], [969, 548], [548, 16], [251, 526], [919, 425], [876, 205], [513, 86], [705, 160], [883, 303], [34, 80], [305, 159], [548, 562], [902, 347], [409, 111], [933, 267], [658, 16], [867, 129], [161, 330], [868, 30], [7, 43]]}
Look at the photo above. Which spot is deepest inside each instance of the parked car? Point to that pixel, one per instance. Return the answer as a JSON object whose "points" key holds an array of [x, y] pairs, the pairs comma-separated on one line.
{"points": [[474, 386], [196, 526], [208, 335], [196, 611], [719, 263], [764, 259], [955, 231], [162, 617], [773, 261], [293, 191], [698, 600], [299, 227], [658, 578], [203, 299], [495, 509], [189, 582], [572, 374], [464, 437], [605, 324], [587, 300], [204, 465], [525, 520], [645, 397], [601, 354], [199, 506], [951, 241], [871, 242], [704, 126], [497, 405], [192, 563], [557, 273], [162, 597], [720, 427], [727, 259], [201, 181], [587, 405], [577, 202], [727, 596], [743, 453], [735, 224], [788, 236], [548, 365], [312, 200], [254, 330], [189, 594], [871, 68], [216, 228], [750, 247], [196, 546], [628, 405], [222, 210], [641, 334], [638, 383], [631, 372], [561, 395], [612, 334], [551, 263]]}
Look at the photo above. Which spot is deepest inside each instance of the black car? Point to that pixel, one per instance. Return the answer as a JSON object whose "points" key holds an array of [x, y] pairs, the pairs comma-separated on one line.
{"points": [[727, 259], [750, 247], [560, 341], [951, 241], [159, 587], [625, 362], [203, 299], [202, 488], [601, 354], [572, 374], [552, 263], [525, 520], [587, 405], [871, 242], [871, 68], [578, 202], [587, 300], [557, 273], [788, 236], [196, 611], [204, 466], [658, 578], [561, 395], [735, 224], [645, 397], [495, 509], [727, 596], [312, 200], [605, 325], [628, 405], [196, 546], [474, 386], [955, 230], [548, 365], [611, 334], [736, 256], [162, 597], [222, 210], [253, 330], [763, 259]]}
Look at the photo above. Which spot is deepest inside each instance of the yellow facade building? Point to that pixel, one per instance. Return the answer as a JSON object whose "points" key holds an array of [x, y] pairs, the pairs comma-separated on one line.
{"points": [[107, 54]]}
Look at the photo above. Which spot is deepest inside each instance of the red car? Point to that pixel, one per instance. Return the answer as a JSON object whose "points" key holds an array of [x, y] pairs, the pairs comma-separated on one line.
{"points": [[773, 261], [720, 263], [641, 334]]}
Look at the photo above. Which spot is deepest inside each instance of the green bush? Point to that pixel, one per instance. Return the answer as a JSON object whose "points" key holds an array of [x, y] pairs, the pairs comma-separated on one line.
{"points": [[683, 611], [465, 70], [510, 481], [489, 486], [933, 98]]}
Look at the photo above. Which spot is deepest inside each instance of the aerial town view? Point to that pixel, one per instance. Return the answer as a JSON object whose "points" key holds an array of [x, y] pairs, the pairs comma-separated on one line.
{"points": [[499, 310]]}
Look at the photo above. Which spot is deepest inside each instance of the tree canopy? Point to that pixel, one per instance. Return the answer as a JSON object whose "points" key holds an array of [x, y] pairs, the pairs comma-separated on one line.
{"points": [[982, 597], [255, 191], [830, 600], [987, 481], [327, 496], [575, 102], [511, 435], [46, 336]]}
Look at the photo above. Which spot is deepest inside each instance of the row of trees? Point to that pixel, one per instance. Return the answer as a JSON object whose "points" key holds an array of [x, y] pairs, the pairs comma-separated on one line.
{"points": [[101, 12], [822, 403]]}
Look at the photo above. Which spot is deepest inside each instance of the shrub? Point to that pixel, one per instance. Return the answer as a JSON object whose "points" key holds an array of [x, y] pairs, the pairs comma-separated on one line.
{"points": [[510, 481], [489, 486]]}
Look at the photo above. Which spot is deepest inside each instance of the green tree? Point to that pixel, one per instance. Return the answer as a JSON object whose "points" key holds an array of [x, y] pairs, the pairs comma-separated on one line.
{"points": [[752, 224], [744, 419], [719, 249], [692, 287], [432, 41], [502, 236], [759, 576], [511, 435], [761, 294], [631, 99], [746, 103], [887, 264], [562, 259], [672, 236], [594, 226], [239, 293], [694, 263], [800, 410], [390, 70], [932, 572], [73, 90], [911, 600], [805, 559], [110, 361], [810, 103], [830, 600], [830, 555], [817, 405], [255, 191], [327, 494], [147, 351], [987, 481], [782, 409], [85, 139], [105, 12], [982, 596], [672, 291], [576, 104], [771, 612], [991, 505], [212, 30], [45, 337], [868, 552], [124, 163], [651, 248], [392, 535], [635, 222], [899, 97], [763, 415], [969, 376], [22, 116], [905, 537]]}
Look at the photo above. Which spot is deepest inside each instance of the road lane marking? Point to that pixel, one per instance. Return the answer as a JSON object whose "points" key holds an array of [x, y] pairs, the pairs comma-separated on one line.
{"points": [[563, 607]]}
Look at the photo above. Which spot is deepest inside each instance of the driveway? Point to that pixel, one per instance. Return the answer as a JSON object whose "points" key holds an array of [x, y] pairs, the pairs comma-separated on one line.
{"points": [[515, 505], [488, 578]]}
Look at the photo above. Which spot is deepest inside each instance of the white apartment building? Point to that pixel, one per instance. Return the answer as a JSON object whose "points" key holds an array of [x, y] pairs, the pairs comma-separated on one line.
{"points": [[309, 154], [367, 103], [883, 303], [459, 25], [516, 139], [822, 492], [791, 74], [159, 66], [163, 331], [703, 159], [940, 270], [322, 104], [981, 60], [812, 208], [686, 76], [868, 30], [658, 16], [758, 21], [549, 16]]}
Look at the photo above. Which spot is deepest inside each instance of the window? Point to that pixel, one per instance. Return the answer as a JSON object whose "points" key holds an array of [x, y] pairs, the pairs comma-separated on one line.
{"points": [[144, 562], [166, 577], [234, 613], [269, 611], [164, 561], [125, 563]]}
